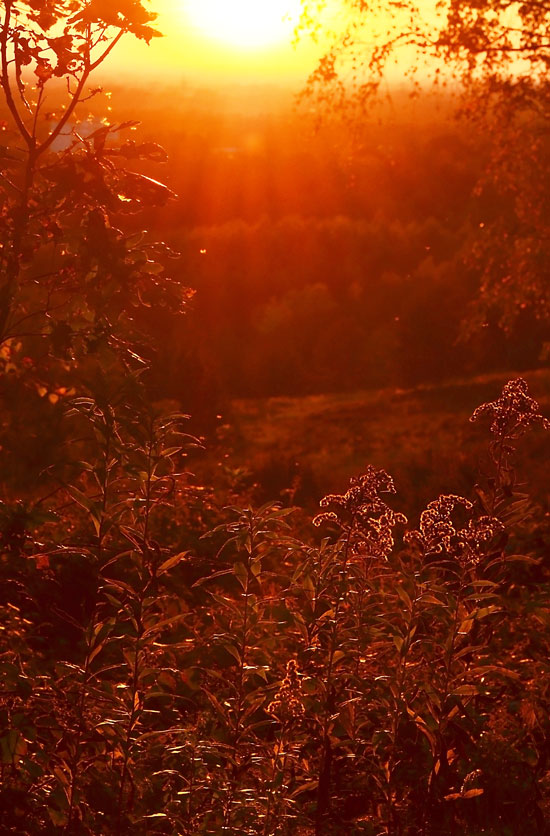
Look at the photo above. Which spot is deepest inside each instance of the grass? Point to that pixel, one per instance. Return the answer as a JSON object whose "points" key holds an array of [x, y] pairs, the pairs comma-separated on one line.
{"points": [[422, 436]]}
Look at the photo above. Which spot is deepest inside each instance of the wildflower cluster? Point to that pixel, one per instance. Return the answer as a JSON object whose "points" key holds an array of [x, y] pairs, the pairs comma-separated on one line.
{"points": [[477, 534], [361, 498], [513, 412], [376, 535], [287, 705], [438, 532], [362, 511]]}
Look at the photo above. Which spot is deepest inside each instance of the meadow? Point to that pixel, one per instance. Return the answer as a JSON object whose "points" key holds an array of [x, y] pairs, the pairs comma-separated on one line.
{"points": [[304, 446]]}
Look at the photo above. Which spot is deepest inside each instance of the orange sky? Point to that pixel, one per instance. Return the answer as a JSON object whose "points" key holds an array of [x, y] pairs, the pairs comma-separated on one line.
{"points": [[192, 53]]}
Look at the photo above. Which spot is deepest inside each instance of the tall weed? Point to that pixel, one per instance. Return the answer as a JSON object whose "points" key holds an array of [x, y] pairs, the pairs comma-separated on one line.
{"points": [[367, 679]]}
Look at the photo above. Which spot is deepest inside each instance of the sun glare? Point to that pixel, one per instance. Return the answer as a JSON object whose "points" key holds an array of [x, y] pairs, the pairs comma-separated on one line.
{"points": [[247, 24]]}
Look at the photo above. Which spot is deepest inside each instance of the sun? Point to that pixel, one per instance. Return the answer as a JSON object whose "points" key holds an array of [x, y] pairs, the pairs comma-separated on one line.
{"points": [[246, 24]]}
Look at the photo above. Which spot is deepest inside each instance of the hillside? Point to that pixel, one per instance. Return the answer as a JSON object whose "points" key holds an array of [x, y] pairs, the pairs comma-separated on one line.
{"points": [[422, 436]]}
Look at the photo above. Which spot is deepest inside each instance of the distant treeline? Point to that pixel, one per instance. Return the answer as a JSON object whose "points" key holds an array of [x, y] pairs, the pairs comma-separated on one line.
{"points": [[304, 305], [322, 264]]}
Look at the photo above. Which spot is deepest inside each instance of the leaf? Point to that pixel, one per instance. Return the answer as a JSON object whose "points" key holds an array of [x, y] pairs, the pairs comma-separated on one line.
{"points": [[225, 603], [466, 690], [216, 704], [221, 573], [307, 786], [484, 583], [171, 562], [483, 611], [483, 670], [338, 656], [256, 567], [469, 649], [163, 623], [232, 650], [523, 558], [241, 573], [431, 599], [97, 649], [473, 792], [82, 500], [422, 726], [121, 585], [404, 595], [466, 626]]}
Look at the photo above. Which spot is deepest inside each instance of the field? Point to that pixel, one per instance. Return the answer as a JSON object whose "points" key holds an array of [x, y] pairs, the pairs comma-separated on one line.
{"points": [[422, 436], [275, 422]]}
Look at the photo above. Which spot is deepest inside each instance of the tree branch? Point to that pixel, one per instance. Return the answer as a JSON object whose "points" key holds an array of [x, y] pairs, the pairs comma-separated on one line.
{"points": [[6, 79], [106, 52], [76, 98]]}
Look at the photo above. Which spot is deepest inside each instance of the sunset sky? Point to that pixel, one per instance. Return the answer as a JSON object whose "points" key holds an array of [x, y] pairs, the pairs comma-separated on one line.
{"points": [[225, 42], [202, 42]]}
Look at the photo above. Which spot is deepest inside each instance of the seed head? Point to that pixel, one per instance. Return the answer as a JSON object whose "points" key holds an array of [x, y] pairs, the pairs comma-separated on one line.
{"points": [[439, 533], [513, 412], [362, 512], [287, 705]]}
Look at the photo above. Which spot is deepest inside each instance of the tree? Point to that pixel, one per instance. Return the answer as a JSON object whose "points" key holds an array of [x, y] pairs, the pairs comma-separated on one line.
{"points": [[72, 286], [491, 38], [71, 279], [498, 51]]}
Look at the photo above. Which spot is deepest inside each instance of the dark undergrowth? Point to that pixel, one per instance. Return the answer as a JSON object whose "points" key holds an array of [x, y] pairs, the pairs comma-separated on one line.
{"points": [[174, 665]]}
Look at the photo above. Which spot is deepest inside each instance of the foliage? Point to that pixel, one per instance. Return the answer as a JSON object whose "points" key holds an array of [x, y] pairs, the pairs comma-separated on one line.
{"points": [[72, 281], [492, 39], [495, 54], [273, 683]]}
